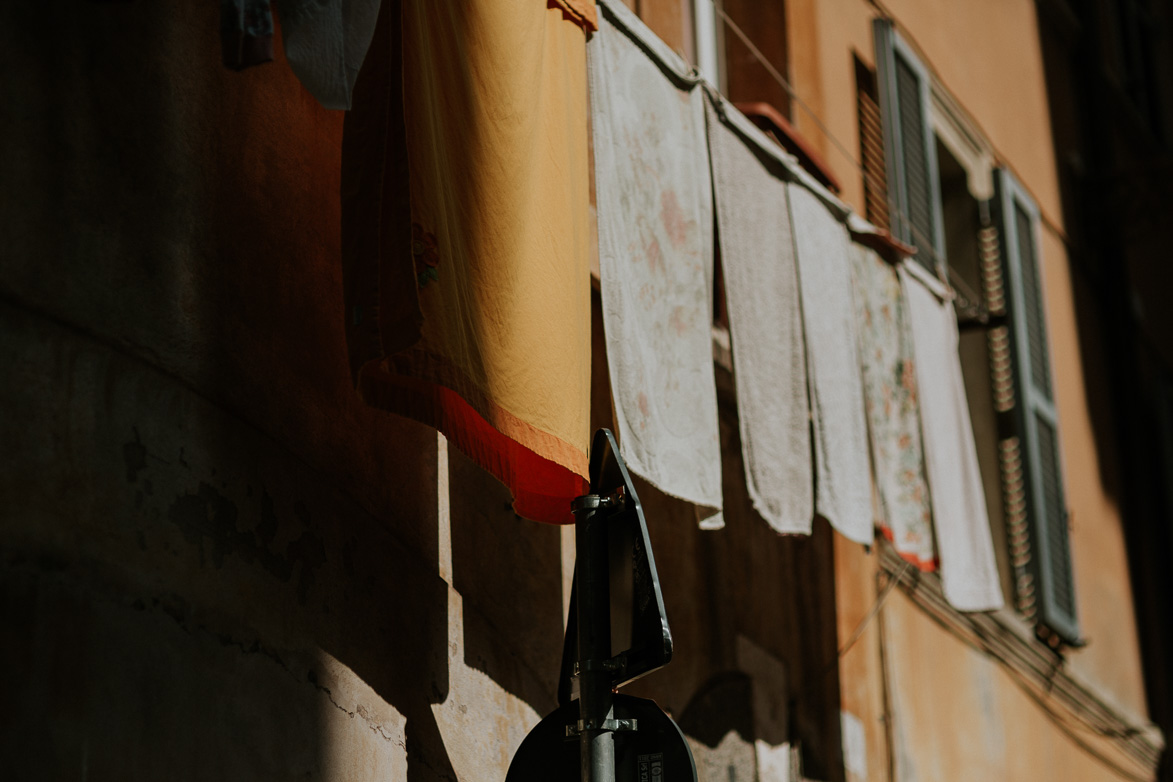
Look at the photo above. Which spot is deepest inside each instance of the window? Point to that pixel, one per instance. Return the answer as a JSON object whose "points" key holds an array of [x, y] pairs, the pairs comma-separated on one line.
{"points": [[910, 155], [747, 80], [941, 194], [1045, 584], [971, 244]]}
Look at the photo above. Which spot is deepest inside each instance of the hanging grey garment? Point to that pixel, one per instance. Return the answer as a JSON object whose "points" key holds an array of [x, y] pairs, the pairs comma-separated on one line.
{"points": [[325, 44], [246, 33], [765, 323], [655, 218], [969, 572], [843, 489]]}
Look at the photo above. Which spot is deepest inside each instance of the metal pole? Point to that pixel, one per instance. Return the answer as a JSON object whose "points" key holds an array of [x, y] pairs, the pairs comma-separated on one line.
{"points": [[596, 706]]}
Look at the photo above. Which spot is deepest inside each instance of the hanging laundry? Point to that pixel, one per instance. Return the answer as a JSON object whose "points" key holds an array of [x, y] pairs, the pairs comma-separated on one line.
{"points": [[325, 43], [246, 33], [654, 203], [969, 572], [893, 413], [380, 288], [843, 492], [581, 12], [468, 307], [765, 323]]}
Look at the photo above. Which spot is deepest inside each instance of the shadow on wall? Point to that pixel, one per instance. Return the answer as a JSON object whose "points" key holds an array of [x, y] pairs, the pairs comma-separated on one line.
{"points": [[215, 562], [719, 721], [246, 621], [167, 614], [752, 613], [509, 572], [753, 625], [1092, 287]]}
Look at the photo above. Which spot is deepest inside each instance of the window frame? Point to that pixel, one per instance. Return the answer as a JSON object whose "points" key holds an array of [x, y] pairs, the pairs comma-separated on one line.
{"points": [[1046, 600]]}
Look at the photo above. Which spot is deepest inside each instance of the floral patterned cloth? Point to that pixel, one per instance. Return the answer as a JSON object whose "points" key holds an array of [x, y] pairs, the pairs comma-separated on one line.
{"points": [[890, 395], [655, 218]]}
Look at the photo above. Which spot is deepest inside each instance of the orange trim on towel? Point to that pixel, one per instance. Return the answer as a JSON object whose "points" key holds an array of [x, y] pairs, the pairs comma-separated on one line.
{"points": [[925, 566]]}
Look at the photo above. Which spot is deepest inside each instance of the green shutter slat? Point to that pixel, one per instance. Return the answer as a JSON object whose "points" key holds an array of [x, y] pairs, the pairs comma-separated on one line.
{"points": [[1061, 597], [918, 193], [910, 155], [1032, 294]]}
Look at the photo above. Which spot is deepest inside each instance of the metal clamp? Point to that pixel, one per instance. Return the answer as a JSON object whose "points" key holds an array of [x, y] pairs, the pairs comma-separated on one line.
{"points": [[616, 501], [615, 726], [616, 663]]}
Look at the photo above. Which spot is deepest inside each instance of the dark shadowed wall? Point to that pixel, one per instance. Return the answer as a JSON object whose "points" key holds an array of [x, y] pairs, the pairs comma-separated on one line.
{"points": [[215, 563]]}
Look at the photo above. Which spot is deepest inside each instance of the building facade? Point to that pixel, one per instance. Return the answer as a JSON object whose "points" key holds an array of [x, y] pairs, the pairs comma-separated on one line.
{"points": [[219, 563]]}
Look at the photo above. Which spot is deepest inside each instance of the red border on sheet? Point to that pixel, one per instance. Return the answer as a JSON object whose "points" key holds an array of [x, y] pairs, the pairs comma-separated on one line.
{"points": [[543, 485]]}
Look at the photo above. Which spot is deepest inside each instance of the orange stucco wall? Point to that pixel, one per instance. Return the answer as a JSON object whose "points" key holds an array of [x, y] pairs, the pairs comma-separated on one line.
{"points": [[958, 715], [962, 717]]}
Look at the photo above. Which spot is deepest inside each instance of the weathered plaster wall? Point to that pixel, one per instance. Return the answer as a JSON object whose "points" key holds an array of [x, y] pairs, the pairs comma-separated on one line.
{"points": [[988, 55], [215, 563], [942, 688]]}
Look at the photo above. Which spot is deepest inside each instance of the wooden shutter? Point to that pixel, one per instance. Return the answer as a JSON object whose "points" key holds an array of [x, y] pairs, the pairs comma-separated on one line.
{"points": [[871, 145], [914, 189], [1049, 558]]}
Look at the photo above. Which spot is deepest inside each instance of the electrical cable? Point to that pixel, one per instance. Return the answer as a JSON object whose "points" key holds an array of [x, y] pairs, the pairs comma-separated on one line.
{"points": [[924, 243], [1000, 649], [858, 632], [880, 599]]}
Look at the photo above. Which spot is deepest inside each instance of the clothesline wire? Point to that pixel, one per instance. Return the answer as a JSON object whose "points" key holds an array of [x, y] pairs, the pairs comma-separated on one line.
{"points": [[784, 84], [986, 644], [925, 244], [880, 599], [873, 612]]}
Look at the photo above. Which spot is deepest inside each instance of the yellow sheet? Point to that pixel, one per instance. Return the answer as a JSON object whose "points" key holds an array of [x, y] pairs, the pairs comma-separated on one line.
{"points": [[495, 120]]}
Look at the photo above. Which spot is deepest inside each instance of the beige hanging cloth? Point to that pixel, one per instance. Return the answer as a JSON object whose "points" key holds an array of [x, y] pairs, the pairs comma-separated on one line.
{"points": [[969, 572], [765, 322], [843, 493], [655, 216]]}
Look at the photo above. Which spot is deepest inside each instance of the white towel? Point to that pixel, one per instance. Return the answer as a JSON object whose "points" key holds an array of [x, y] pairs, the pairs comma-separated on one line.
{"points": [[655, 262], [326, 42], [969, 572], [893, 412], [765, 322], [843, 491]]}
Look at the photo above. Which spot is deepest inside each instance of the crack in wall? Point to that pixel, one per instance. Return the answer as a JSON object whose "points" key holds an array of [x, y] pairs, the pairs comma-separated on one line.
{"points": [[148, 360], [178, 611]]}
